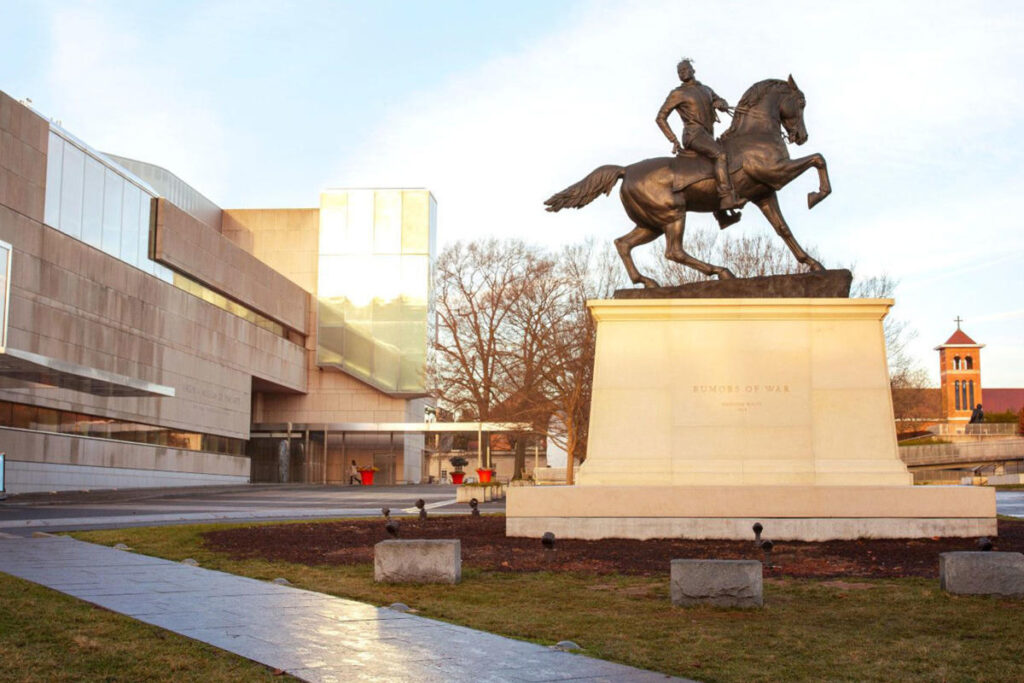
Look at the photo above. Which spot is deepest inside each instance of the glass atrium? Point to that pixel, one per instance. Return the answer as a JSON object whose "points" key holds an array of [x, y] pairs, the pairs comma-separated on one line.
{"points": [[374, 288]]}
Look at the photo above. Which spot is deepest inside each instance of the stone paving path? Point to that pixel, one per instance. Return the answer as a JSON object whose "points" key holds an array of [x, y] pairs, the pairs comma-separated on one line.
{"points": [[310, 635]]}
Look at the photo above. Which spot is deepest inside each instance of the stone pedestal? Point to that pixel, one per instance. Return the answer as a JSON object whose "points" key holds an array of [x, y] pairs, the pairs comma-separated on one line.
{"points": [[420, 560], [779, 405], [721, 583], [982, 573]]}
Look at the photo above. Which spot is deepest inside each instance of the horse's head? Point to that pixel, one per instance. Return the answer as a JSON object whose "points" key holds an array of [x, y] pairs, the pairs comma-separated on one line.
{"points": [[768, 104], [791, 113]]}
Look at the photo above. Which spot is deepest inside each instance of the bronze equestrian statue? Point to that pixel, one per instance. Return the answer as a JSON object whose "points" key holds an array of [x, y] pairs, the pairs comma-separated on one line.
{"points": [[657, 193]]}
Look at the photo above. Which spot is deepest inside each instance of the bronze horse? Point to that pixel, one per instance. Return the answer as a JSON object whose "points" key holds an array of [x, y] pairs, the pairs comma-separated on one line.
{"points": [[657, 193]]}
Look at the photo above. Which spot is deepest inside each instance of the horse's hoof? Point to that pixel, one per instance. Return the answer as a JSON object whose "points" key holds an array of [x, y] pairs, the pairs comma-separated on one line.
{"points": [[814, 197], [649, 283], [725, 274]]}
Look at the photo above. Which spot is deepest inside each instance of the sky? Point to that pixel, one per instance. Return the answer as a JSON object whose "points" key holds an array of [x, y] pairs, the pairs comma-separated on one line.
{"points": [[918, 108]]}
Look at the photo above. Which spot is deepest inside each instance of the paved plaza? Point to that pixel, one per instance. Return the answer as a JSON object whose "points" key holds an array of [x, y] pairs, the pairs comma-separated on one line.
{"points": [[310, 635], [68, 511]]}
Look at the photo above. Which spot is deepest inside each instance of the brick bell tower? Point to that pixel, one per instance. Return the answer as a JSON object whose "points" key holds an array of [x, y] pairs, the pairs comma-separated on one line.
{"points": [[960, 376]]}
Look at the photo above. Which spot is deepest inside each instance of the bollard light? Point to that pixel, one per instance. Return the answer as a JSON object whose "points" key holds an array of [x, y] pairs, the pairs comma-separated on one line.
{"points": [[386, 512], [767, 546], [474, 503], [758, 528], [392, 527], [548, 540], [984, 544]]}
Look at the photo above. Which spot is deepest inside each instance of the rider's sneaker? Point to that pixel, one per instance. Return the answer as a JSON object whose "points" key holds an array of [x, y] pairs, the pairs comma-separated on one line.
{"points": [[727, 218]]}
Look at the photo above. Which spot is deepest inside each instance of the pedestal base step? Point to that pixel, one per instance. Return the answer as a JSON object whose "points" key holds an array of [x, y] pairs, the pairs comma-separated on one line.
{"points": [[805, 513], [740, 528]]}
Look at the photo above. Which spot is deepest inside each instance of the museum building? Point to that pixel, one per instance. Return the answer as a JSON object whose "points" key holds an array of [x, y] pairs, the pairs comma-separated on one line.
{"points": [[152, 338]]}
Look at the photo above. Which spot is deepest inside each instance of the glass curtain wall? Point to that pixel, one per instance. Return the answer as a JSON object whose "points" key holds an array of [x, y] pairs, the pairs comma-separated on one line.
{"points": [[88, 199], [374, 291]]}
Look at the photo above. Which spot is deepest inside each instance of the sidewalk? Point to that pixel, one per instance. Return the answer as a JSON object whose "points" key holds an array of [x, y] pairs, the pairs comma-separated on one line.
{"points": [[313, 636]]}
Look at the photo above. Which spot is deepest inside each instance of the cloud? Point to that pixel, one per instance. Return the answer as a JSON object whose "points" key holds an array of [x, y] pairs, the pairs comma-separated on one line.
{"points": [[124, 94], [888, 105]]}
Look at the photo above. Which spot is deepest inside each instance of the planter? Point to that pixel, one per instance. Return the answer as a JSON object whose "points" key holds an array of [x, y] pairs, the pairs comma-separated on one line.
{"points": [[367, 477], [484, 476], [465, 492], [457, 477]]}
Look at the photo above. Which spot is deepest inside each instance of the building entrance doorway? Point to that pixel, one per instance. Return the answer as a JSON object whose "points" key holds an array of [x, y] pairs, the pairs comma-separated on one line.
{"points": [[385, 462]]}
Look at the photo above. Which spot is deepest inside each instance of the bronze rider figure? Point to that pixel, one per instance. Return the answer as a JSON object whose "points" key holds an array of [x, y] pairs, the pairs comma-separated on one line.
{"points": [[696, 103]]}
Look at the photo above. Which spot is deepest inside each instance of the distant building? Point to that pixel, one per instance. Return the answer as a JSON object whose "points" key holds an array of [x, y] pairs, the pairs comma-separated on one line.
{"points": [[149, 337], [959, 376], [961, 383], [960, 391]]}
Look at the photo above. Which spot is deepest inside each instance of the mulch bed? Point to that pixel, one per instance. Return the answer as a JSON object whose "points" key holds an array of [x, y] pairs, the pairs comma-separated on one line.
{"points": [[485, 546]]}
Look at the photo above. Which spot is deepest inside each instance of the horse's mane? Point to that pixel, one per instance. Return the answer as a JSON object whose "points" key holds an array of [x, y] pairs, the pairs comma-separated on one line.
{"points": [[754, 95]]}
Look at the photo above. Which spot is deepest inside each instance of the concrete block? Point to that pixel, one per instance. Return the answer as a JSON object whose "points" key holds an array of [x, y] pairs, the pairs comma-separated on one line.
{"points": [[721, 583], [982, 573], [483, 494], [418, 561]]}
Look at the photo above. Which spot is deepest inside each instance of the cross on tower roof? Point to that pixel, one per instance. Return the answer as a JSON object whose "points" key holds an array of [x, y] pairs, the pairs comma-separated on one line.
{"points": [[958, 320]]}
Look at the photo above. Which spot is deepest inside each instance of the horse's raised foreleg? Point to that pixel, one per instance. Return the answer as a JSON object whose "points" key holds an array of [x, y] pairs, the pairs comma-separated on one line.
{"points": [[625, 244], [824, 186], [786, 170], [674, 251], [770, 208]]}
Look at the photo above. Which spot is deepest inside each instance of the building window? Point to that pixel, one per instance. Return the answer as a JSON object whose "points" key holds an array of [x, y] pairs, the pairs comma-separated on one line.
{"points": [[970, 385], [956, 362], [40, 419], [963, 394], [5, 268], [956, 393], [970, 363]]}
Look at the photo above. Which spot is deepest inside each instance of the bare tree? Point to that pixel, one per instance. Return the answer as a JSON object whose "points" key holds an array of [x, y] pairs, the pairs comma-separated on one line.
{"points": [[515, 339], [477, 287], [494, 304]]}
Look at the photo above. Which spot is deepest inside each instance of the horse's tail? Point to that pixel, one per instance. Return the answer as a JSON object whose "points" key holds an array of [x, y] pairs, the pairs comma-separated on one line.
{"points": [[600, 181]]}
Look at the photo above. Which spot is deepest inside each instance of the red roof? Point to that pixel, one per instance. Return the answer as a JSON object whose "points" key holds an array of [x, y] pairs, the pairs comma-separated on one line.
{"points": [[960, 338], [1001, 400]]}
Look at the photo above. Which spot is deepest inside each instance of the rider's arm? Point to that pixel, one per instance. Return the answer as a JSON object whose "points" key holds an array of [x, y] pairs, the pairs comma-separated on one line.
{"points": [[717, 102], [671, 102]]}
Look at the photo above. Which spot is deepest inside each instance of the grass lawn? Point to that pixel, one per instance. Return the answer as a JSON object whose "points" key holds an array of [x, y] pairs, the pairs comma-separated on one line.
{"points": [[883, 630], [49, 636]]}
